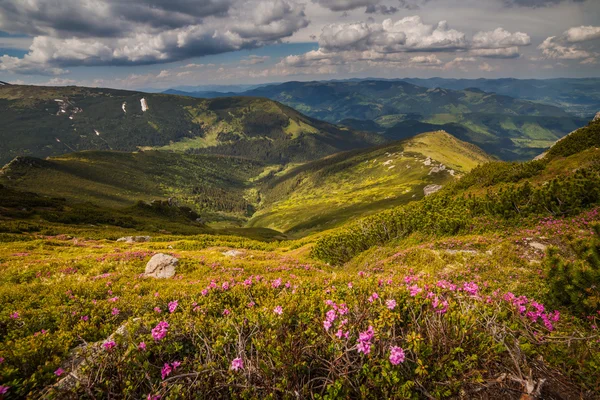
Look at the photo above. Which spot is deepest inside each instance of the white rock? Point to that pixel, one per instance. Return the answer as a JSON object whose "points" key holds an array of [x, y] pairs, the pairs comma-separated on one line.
{"points": [[233, 253], [134, 239], [161, 266], [538, 246], [430, 189]]}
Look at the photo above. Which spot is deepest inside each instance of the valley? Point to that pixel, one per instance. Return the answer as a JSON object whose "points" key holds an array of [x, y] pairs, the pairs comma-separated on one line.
{"points": [[302, 259]]}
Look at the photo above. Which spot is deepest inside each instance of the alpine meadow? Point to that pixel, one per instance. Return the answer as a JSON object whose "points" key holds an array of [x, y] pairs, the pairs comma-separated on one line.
{"points": [[290, 199]]}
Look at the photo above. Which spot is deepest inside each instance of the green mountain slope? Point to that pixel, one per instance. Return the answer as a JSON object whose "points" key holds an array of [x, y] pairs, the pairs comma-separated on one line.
{"points": [[208, 184], [509, 137], [564, 182], [45, 121], [230, 190], [507, 127], [328, 192]]}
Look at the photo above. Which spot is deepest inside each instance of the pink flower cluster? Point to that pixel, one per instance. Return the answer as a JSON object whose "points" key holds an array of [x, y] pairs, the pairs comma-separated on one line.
{"points": [[173, 306], [167, 369], [534, 312], [160, 330], [364, 340], [332, 315], [108, 346], [237, 364], [397, 355], [414, 290]]}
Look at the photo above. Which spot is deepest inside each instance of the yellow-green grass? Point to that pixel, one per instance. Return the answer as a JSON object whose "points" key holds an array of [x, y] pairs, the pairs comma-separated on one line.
{"points": [[342, 187]]}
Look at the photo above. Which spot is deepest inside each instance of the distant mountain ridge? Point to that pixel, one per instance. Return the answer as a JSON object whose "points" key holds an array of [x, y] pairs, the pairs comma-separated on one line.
{"points": [[45, 121]]}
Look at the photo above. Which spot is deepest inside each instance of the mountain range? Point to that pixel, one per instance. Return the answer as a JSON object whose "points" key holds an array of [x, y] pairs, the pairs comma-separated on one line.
{"points": [[507, 127], [45, 121]]}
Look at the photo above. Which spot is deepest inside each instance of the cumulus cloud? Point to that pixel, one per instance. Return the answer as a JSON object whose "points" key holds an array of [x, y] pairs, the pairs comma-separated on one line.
{"points": [[147, 32], [577, 43], [395, 42], [500, 38], [582, 34]]}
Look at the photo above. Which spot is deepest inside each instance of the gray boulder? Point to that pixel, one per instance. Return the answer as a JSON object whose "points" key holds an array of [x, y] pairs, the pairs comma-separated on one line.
{"points": [[161, 266], [430, 189], [134, 239], [233, 253]]}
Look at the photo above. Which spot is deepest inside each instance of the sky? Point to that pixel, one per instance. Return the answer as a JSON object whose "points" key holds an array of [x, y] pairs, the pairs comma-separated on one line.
{"points": [[134, 44]]}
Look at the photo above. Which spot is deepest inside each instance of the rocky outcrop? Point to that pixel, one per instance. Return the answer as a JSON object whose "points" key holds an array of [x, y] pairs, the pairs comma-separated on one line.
{"points": [[161, 266], [430, 189], [134, 239], [233, 253], [597, 117]]}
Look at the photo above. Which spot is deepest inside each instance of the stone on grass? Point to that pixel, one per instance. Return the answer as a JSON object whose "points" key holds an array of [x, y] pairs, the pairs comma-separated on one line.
{"points": [[161, 266]]}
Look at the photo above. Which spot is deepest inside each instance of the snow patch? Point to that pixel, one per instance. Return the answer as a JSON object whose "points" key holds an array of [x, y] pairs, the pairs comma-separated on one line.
{"points": [[97, 133], [144, 105], [125, 103]]}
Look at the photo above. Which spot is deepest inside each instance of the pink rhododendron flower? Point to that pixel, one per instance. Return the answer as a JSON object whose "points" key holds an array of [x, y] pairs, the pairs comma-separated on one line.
{"points": [[1, 360], [236, 364], [3, 389], [115, 311], [85, 318], [15, 315], [173, 306], [414, 290], [153, 397], [166, 371], [278, 310], [59, 372], [109, 345], [226, 312], [364, 340], [251, 304], [397, 355], [364, 347], [373, 297], [114, 299], [390, 304], [157, 309], [160, 330], [142, 346], [471, 288]]}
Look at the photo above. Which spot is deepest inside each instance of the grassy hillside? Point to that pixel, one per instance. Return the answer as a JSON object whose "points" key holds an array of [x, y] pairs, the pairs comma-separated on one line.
{"points": [[211, 185], [563, 183], [508, 137], [46, 121], [328, 192]]}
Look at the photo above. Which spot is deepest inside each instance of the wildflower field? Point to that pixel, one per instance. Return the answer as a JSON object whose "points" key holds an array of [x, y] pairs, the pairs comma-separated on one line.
{"points": [[471, 316]]}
